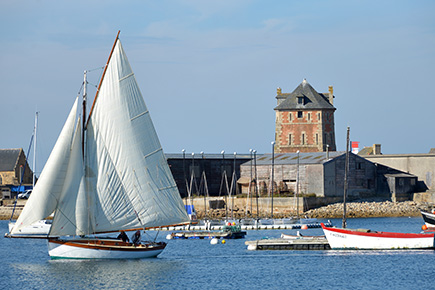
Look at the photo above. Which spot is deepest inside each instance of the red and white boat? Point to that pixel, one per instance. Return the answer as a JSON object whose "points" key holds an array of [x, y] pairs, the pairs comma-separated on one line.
{"points": [[363, 239], [105, 175], [429, 219]]}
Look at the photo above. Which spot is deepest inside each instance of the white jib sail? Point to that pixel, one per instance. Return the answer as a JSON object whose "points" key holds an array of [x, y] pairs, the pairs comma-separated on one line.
{"points": [[46, 194], [127, 178], [64, 221]]}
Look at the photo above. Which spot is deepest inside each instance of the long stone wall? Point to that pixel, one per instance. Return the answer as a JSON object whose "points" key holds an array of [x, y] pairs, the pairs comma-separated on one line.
{"points": [[421, 165]]}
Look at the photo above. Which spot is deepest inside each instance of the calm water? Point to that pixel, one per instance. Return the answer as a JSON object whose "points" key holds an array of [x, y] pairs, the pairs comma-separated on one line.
{"points": [[196, 264]]}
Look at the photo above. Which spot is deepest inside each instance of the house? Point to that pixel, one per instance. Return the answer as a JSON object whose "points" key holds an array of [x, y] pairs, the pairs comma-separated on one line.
{"points": [[14, 171], [304, 120]]}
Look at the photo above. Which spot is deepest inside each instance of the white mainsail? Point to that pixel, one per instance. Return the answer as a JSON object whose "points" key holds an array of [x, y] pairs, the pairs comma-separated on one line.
{"points": [[125, 165], [124, 182], [46, 194]]}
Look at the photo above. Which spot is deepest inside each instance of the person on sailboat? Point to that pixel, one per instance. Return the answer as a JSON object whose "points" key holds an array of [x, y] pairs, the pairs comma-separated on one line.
{"points": [[123, 236], [135, 239]]}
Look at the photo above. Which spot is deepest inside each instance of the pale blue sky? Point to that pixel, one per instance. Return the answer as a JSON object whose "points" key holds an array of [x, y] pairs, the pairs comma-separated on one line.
{"points": [[209, 70]]}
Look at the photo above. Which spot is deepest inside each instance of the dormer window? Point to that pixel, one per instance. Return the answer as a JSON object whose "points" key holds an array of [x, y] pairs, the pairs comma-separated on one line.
{"points": [[301, 100]]}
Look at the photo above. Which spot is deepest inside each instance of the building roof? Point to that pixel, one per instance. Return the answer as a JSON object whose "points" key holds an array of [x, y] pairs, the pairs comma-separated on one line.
{"points": [[401, 175], [188, 155], [9, 159], [311, 99], [292, 158]]}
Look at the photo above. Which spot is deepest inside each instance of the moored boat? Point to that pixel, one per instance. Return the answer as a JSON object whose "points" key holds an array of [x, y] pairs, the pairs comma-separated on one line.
{"points": [[38, 229], [429, 219], [364, 239]]}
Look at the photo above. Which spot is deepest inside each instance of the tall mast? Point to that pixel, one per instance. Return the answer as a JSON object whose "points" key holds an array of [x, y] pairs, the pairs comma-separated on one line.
{"points": [[346, 169], [34, 148], [85, 83]]}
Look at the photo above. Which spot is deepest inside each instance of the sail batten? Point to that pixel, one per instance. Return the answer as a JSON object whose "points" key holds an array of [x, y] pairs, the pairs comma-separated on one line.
{"points": [[154, 152], [140, 115]]}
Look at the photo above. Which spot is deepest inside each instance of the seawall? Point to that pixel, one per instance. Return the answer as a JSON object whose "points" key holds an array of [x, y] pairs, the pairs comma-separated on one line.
{"points": [[282, 207]]}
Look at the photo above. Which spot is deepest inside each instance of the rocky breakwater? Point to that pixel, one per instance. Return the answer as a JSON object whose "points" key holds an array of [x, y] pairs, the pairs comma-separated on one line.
{"points": [[369, 209]]}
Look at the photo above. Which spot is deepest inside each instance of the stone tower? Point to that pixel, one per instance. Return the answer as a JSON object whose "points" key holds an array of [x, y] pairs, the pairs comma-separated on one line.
{"points": [[304, 120]]}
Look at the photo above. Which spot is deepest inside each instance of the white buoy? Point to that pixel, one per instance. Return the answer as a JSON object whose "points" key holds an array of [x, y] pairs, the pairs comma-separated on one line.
{"points": [[169, 237], [214, 241]]}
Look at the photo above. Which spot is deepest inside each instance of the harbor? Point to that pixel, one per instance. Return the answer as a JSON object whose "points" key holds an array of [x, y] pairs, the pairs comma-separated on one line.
{"points": [[211, 264], [243, 227]]}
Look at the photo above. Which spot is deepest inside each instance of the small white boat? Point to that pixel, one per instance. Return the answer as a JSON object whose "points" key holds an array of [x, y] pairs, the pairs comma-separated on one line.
{"points": [[308, 220], [266, 222], [38, 229], [248, 222], [363, 239], [300, 236], [286, 221]]}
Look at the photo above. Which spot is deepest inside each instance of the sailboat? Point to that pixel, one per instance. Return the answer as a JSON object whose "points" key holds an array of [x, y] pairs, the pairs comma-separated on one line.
{"points": [[40, 228], [365, 239], [105, 174]]}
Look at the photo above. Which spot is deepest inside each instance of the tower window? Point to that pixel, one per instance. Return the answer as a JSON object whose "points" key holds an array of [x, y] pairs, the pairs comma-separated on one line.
{"points": [[303, 139], [309, 116], [317, 139], [300, 114], [290, 116], [289, 139]]}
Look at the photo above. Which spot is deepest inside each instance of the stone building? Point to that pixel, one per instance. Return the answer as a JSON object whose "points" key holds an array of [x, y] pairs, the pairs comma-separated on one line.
{"points": [[322, 175], [421, 165], [216, 170], [304, 120], [13, 168]]}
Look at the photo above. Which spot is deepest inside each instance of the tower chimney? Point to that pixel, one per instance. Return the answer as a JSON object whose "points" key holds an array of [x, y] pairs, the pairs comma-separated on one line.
{"points": [[331, 95]]}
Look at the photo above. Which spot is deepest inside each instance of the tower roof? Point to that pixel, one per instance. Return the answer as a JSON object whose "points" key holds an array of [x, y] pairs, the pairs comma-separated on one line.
{"points": [[9, 159], [304, 97]]}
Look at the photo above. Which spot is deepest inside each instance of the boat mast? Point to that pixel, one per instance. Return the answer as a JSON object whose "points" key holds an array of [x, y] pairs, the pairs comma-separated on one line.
{"points": [[85, 83], [346, 169], [34, 149], [297, 188]]}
